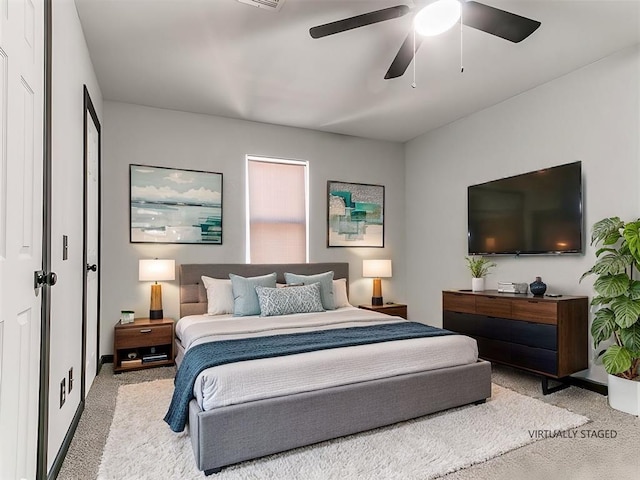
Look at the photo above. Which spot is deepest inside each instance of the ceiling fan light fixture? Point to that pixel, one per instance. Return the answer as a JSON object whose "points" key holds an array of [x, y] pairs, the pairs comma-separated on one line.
{"points": [[437, 17]]}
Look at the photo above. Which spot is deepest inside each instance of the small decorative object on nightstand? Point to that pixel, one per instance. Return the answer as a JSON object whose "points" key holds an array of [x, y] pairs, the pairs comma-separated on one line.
{"points": [[144, 343], [395, 309], [127, 316]]}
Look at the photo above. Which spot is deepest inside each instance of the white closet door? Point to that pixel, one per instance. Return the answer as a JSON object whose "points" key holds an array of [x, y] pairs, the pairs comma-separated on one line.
{"points": [[21, 208]]}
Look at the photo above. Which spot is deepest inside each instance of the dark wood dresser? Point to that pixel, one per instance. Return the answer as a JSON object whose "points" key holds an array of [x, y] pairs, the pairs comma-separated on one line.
{"points": [[548, 336]]}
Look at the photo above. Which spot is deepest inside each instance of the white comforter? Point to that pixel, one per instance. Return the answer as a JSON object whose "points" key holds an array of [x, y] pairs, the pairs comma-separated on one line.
{"points": [[273, 377]]}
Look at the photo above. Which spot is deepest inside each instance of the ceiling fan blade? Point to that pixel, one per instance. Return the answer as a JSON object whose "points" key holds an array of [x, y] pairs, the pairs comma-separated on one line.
{"points": [[498, 22], [358, 21], [403, 57]]}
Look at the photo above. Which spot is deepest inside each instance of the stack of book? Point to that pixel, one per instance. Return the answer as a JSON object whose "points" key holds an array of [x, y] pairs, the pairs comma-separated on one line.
{"points": [[154, 357]]}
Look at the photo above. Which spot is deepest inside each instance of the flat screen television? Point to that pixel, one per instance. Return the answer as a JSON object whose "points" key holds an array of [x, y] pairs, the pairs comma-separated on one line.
{"points": [[534, 213]]}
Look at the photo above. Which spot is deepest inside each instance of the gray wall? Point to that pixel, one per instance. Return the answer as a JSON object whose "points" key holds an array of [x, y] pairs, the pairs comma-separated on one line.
{"points": [[67, 194], [591, 115], [137, 134]]}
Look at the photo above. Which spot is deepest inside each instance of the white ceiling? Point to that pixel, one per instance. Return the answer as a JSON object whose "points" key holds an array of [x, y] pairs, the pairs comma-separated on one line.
{"points": [[225, 58]]}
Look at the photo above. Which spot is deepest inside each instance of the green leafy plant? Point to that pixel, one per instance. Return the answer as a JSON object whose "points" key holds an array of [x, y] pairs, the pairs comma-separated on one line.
{"points": [[479, 267], [617, 294]]}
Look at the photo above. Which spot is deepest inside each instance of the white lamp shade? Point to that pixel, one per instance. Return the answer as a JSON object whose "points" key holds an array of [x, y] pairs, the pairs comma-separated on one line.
{"points": [[437, 17], [156, 270], [376, 268]]}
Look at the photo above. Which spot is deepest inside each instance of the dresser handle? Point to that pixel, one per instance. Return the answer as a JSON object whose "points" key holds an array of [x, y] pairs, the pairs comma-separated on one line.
{"points": [[532, 301], [145, 330]]}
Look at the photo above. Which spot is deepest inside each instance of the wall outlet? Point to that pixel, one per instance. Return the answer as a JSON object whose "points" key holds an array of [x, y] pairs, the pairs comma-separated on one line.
{"points": [[70, 379], [63, 393]]}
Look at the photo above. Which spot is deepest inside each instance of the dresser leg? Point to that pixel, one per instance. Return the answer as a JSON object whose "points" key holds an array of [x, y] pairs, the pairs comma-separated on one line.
{"points": [[546, 389]]}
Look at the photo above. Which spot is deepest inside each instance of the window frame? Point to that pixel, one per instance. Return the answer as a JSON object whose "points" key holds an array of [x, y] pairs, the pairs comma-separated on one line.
{"points": [[287, 161]]}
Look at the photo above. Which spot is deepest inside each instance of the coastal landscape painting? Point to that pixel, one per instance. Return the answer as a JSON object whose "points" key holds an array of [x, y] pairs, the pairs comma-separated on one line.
{"points": [[355, 215], [171, 205]]}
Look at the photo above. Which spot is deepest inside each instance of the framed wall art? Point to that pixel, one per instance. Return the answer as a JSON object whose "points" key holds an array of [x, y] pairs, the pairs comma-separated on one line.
{"points": [[169, 205], [355, 214]]}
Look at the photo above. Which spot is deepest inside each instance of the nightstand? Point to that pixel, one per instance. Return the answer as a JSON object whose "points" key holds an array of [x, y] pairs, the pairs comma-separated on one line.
{"points": [[149, 342], [396, 309]]}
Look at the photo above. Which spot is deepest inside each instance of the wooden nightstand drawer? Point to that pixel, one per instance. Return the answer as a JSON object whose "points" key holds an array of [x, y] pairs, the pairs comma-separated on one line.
{"points": [[395, 309], [144, 336]]}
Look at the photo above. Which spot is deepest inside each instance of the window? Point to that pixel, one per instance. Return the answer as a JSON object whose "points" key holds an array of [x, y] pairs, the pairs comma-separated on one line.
{"points": [[277, 211]]}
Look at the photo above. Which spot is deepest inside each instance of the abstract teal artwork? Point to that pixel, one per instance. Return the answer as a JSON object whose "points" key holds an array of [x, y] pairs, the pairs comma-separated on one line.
{"points": [[355, 215], [171, 205]]}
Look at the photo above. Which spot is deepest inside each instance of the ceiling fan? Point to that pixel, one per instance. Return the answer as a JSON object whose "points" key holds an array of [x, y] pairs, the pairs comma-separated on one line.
{"points": [[433, 19]]}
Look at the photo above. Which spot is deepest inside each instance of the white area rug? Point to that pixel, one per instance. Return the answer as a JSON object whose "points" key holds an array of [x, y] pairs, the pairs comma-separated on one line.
{"points": [[141, 446]]}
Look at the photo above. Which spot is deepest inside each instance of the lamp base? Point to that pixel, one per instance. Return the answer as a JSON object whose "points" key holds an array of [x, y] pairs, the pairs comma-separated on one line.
{"points": [[376, 298], [155, 308]]}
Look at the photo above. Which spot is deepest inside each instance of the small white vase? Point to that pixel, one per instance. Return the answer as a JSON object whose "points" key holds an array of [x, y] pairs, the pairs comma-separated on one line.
{"points": [[477, 284], [624, 395]]}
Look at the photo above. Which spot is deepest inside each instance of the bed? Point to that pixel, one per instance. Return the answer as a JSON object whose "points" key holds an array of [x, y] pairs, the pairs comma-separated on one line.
{"points": [[232, 430]]}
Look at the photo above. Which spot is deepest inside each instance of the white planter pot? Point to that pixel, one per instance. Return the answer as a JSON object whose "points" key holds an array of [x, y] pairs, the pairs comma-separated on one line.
{"points": [[477, 284], [624, 395]]}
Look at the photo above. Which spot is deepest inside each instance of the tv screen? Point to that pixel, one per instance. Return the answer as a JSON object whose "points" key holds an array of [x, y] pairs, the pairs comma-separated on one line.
{"points": [[534, 213]]}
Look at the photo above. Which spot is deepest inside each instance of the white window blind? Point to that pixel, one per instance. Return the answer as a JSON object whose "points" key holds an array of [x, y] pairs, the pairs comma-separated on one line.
{"points": [[277, 211]]}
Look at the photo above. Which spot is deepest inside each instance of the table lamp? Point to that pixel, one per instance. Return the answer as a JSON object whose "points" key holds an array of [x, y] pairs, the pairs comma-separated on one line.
{"points": [[155, 271], [376, 269]]}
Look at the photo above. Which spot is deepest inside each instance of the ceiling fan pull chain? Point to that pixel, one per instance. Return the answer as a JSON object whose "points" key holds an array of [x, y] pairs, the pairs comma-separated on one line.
{"points": [[413, 85], [461, 42]]}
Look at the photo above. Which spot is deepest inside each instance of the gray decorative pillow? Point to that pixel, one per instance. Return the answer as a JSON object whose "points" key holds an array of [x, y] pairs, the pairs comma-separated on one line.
{"points": [[326, 285], [245, 298], [285, 301]]}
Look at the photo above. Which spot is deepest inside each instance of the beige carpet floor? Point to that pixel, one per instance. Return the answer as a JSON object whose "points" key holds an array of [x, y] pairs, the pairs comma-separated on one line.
{"points": [[582, 456]]}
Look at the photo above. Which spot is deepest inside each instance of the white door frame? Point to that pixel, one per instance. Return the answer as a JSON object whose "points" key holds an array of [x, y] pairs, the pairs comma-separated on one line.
{"points": [[90, 115], [45, 321]]}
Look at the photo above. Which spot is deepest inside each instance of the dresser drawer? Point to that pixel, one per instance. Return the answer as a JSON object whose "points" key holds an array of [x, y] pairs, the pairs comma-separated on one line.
{"points": [[493, 306], [535, 335], [464, 323], [535, 311], [537, 359], [458, 302], [143, 336]]}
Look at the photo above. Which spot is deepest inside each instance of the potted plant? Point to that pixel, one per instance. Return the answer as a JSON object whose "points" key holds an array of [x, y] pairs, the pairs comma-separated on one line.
{"points": [[617, 320], [479, 268]]}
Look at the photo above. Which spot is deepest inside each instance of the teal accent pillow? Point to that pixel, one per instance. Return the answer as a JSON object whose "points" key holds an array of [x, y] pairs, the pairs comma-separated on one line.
{"points": [[245, 298], [326, 286], [285, 301]]}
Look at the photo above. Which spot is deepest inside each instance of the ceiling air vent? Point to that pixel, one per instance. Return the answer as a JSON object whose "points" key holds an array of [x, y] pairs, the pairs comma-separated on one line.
{"points": [[273, 5]]}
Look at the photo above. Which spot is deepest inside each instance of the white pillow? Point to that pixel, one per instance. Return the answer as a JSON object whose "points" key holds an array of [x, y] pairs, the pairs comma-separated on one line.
{"points": [[340, 295], [219, 295]]}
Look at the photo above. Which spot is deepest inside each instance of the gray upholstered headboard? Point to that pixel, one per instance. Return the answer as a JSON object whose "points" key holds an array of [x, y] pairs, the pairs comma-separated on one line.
{"points": [[193, 296]]}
